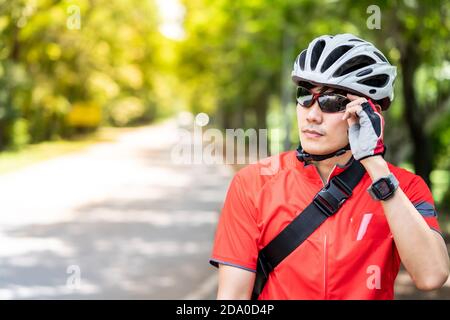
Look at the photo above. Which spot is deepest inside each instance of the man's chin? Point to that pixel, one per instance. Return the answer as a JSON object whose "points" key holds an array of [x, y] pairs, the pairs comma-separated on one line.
{"points": [[317, 151]]}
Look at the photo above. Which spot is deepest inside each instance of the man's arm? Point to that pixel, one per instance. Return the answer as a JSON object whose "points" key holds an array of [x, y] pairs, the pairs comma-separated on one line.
{"points": [[422, 250], [235, 283]]}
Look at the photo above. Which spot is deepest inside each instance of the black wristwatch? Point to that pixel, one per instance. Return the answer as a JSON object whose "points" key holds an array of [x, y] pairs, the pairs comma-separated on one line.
{"points": [[383, 188]]}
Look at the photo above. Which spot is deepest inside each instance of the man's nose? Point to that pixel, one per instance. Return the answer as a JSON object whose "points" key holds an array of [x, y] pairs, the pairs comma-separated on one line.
{"points": [[314, 113]]}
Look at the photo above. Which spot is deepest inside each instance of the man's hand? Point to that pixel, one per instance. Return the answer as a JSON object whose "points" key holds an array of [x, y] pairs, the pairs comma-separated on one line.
{"points": [[366, 126]]}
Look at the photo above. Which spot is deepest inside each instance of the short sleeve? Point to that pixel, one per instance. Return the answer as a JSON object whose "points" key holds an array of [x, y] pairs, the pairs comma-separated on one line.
{"points": [[237, 234], [422, 199]]}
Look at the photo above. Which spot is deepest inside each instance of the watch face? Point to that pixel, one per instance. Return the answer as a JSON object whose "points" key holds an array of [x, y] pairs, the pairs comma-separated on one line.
{"points": [[383, 187]]}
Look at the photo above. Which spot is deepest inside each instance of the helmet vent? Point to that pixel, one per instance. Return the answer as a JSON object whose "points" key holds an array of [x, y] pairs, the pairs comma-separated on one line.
{"points": [[333, 56], [353, 64], [379, 55], [378, 81], [316, 52], [302, 58], [364, 72]]}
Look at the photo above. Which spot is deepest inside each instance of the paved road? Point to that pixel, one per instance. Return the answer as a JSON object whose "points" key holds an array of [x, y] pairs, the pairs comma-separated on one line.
{"points": [[121, 215]]}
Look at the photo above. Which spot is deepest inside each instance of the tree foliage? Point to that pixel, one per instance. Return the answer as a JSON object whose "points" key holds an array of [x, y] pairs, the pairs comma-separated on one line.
{"points": [[67, 66]]}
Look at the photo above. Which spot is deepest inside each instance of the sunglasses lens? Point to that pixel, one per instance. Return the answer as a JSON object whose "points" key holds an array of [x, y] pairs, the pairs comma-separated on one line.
{"points": [[333, 103], [304, 97]]}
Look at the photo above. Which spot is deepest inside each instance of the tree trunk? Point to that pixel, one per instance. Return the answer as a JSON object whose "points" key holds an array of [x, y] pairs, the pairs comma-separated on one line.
{"points": [[422, 153], [286, 84], [7, 120], [261, 120], [225, 116]]}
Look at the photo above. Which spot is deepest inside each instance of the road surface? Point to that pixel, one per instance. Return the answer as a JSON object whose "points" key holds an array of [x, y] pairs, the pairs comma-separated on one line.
{"points": [[116, 221]]}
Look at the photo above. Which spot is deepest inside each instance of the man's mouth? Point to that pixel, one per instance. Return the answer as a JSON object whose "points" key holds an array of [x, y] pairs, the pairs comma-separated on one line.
{"points": [[312, 133]]}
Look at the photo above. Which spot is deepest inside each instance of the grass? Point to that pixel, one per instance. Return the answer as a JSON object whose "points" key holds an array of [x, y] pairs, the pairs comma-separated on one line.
{"points": [[12, 160]]}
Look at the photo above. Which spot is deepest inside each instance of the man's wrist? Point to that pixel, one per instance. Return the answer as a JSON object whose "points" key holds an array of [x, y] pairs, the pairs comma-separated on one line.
{"points": [[376, 167]]}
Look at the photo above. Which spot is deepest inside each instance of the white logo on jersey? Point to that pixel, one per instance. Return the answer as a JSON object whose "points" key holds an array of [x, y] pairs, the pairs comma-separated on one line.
{"points": [[363, 226]]}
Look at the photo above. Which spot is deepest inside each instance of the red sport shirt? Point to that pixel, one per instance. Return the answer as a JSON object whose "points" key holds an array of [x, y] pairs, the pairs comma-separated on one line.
{"points": [[352, 255]]}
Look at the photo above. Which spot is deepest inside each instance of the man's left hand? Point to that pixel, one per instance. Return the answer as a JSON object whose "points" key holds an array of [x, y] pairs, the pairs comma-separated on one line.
{"points": [[366, 126]]}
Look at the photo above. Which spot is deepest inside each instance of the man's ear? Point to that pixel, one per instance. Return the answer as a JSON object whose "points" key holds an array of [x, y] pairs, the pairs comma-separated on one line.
{"points": [[377, 106]]}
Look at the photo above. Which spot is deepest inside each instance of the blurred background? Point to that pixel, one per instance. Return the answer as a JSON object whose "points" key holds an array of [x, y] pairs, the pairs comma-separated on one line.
{"points": [[94, 92]]}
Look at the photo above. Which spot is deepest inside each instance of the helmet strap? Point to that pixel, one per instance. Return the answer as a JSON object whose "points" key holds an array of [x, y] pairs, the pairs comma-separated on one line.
{"points": [[303, 156]]}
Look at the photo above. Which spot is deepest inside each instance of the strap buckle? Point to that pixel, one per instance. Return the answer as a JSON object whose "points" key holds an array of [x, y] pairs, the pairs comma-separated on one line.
{"points": [[332, 196]]}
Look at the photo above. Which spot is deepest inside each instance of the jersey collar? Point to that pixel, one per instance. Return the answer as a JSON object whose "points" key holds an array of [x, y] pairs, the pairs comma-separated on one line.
{"points": [[311, 172]]}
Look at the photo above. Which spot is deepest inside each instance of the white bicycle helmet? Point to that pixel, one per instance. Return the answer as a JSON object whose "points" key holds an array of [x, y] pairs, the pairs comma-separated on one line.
{"points": [[346, 62]]}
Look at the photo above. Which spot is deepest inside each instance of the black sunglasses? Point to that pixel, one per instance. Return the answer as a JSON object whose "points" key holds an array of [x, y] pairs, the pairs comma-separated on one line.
{"points": [[329, 102]]}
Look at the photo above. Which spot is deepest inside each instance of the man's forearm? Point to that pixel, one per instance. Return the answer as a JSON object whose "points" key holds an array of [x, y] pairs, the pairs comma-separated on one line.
{"points": [[422, 250]]}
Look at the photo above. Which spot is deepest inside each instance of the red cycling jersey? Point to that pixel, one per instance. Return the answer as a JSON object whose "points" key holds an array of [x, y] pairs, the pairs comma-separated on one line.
{"points": [[352, 255]]}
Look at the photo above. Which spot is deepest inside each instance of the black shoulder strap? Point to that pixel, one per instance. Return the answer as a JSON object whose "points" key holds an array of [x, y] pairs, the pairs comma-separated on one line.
{"points": [[326, 203]]}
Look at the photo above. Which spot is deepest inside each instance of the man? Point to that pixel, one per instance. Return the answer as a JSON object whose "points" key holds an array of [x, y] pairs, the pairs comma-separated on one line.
{"points": [[343, 84]]}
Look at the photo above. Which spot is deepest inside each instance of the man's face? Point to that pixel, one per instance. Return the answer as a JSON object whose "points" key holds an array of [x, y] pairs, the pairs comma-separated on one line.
{"points": [[321, 133]]}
